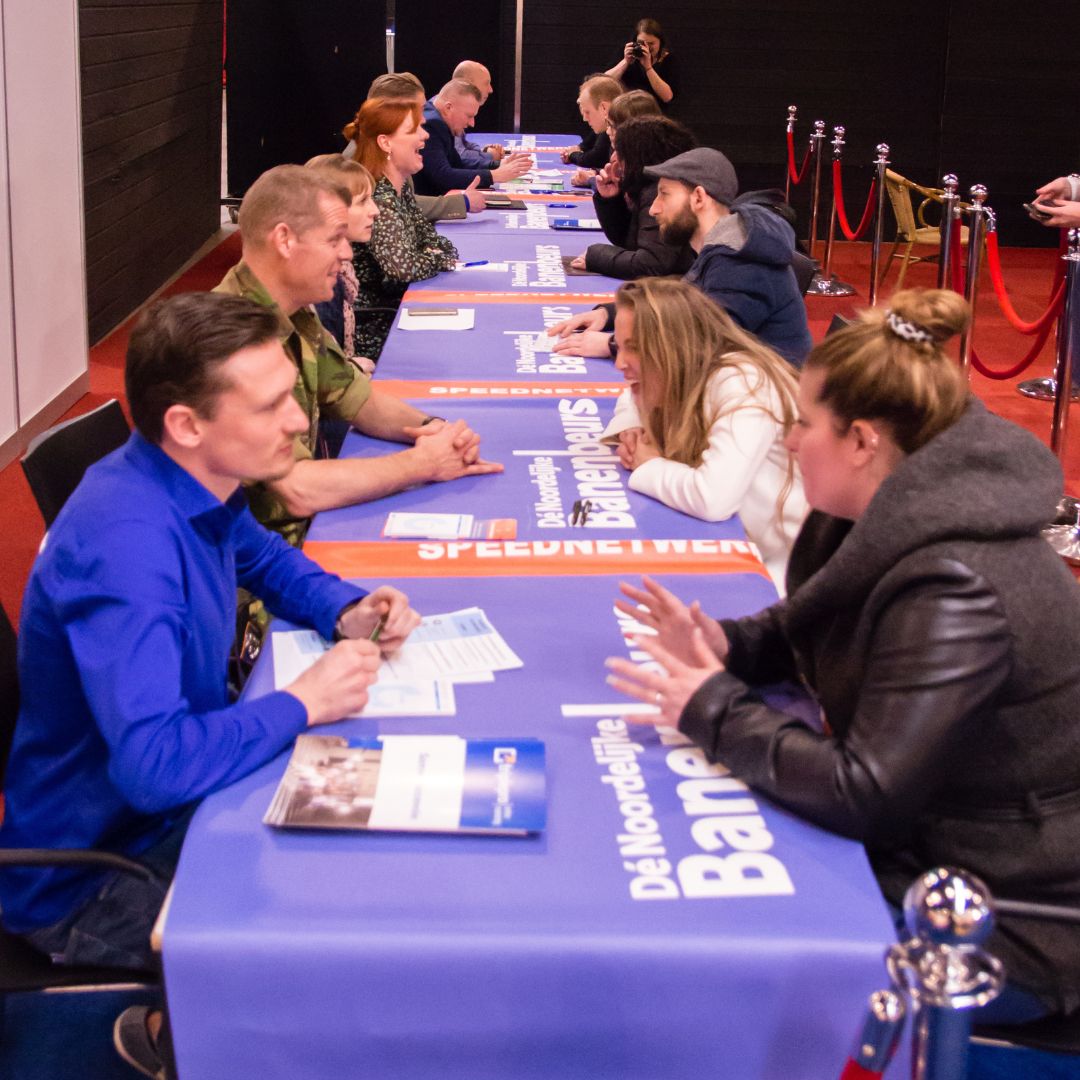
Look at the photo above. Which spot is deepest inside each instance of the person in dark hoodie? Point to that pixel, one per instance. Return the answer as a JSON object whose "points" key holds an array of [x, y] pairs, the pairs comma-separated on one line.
{"points": [[744, 254], [938, 631]]}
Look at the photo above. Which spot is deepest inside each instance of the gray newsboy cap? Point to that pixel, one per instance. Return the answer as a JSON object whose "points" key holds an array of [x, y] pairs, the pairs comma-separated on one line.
{"points": [[702, 167]]}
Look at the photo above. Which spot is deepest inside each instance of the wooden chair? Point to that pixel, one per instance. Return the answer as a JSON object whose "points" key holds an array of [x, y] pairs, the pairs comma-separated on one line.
{"points": [[911, 225]]}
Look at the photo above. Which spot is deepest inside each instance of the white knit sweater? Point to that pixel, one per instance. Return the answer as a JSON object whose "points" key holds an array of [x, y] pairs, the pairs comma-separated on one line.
{"points": [[743, 470]]}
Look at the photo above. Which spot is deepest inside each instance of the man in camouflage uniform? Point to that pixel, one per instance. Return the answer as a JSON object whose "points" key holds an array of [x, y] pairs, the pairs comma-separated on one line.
{"points": [[293, 225]]}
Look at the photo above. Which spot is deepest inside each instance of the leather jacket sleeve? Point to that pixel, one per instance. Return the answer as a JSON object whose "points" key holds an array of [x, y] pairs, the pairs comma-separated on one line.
{"points": [[758, 649], [939, 650]]}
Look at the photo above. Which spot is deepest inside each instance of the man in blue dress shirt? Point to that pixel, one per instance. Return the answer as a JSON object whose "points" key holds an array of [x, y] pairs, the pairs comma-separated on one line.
{"points": [[125, 721]]}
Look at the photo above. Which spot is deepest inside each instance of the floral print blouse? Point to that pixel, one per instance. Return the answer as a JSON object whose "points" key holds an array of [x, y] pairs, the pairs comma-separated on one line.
{"points": [[404, 247]]}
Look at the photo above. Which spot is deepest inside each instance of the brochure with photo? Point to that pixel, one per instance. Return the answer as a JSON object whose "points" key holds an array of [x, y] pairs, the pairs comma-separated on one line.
{"points": [[413, 783]]}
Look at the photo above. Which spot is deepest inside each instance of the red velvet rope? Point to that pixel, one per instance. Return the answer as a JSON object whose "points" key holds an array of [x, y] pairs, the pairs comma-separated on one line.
{"points": [[1043, 333], [841, 213], [1018, 368], [796, 177], [854, 1071], [1057, 290]]}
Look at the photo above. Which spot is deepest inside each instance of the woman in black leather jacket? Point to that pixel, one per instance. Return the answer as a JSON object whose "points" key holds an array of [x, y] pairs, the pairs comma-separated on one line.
{"points": [[937, 630]]}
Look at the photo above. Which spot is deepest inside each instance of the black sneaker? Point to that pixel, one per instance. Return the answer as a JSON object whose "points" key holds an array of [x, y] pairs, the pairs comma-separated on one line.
{"points": [[133, 1042]]}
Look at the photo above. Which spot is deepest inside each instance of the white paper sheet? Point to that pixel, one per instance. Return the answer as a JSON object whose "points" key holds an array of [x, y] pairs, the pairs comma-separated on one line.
{"points": [[485, 266], [448, 646], [416, 525], [296, 650]]}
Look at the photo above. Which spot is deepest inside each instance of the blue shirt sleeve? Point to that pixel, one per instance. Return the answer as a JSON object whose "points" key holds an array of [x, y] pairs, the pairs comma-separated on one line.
{"points": [[152, 666], [286, 580]]}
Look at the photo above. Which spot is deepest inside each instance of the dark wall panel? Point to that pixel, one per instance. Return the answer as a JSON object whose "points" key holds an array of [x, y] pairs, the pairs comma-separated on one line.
{"points": [[151, 127], [298, 71], [966, 86], [962, 86], [1009, 119]]}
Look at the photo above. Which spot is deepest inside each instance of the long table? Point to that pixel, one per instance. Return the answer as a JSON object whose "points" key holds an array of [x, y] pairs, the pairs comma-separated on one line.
{"points": [[669, 923]]}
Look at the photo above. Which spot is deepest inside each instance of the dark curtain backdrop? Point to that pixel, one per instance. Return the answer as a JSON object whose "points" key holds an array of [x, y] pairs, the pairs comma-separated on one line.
{"points": [[987, 90], [299, 69], [974, 88]]}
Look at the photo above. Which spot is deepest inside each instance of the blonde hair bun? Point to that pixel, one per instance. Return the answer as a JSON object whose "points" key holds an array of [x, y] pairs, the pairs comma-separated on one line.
{"points": [[940, 312]]}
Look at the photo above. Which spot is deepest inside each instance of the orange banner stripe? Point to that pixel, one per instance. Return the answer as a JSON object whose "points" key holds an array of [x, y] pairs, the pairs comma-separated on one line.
{"points": [[422, 388], [375, 561], [439, 296]]}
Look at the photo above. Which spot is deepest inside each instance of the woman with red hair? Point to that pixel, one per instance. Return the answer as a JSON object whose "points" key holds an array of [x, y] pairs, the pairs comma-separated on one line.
{"points": [[404, 246]]}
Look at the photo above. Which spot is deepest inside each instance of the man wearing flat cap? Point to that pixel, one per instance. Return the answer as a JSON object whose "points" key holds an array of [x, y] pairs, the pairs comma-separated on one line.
{"points": [[744, 251]]}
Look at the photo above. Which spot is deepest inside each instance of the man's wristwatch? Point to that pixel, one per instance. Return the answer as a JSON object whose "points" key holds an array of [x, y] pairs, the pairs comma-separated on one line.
{"points": [[339, 633]]}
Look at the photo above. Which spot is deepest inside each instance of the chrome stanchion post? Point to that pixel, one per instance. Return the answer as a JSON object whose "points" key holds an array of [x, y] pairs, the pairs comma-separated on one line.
{"points": [[825, 283], [950, 201], [881, 163], [943, 968], [1045, 388], [791, 111], [816, 141], [1066, 351], [882, 1027], [837, 154], [1065, 538], [976, 227]]}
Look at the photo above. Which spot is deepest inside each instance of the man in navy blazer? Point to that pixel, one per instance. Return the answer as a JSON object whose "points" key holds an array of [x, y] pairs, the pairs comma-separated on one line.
{"points": [[452, 112]]}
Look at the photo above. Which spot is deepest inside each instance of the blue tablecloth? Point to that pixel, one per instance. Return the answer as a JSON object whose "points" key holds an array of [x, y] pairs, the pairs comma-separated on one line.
{"points": [[630, 940], [547, 468], [668, 925], [500, 347]]}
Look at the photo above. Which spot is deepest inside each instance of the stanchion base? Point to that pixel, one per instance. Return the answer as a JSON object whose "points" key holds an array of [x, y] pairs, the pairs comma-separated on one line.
{"points": [[1044, 389], [831, 286], [1068, 511], [1065, 540]]}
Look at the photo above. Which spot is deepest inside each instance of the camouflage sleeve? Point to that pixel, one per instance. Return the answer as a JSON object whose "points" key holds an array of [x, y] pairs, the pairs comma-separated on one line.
{"points": [[343, 387]]}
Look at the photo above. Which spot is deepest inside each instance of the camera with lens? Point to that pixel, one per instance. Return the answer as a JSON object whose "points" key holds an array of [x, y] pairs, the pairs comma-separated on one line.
{"points": [[637, 50]]}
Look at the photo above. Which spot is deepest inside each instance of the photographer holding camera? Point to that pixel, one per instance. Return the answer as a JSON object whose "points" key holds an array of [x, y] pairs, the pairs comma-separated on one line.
{"points": [[647, 64]]}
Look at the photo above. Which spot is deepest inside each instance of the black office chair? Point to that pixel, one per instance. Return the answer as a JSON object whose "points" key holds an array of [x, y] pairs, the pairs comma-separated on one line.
{"points": [[22, 968], [55, 461], [838, 323]]}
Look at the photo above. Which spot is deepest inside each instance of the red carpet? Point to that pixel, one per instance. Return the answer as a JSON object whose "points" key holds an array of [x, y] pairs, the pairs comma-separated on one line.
{"points": [[1027, 273]]}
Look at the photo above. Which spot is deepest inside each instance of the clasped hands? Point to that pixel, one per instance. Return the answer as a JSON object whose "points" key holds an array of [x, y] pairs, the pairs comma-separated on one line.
{"points": [[635, 448], [688, 644], [450, 450]]}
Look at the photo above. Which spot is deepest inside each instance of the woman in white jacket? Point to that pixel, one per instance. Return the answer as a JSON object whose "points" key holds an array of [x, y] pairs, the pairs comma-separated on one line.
{"points": [[702, 421]]}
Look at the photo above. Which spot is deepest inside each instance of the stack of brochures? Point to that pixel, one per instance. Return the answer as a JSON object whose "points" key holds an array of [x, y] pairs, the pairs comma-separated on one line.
{"points": [[416, 783], [418, 679]]}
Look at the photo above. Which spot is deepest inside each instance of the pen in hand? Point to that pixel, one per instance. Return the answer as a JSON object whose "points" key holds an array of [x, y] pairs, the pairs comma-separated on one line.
{"points": [[379, 627]]}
